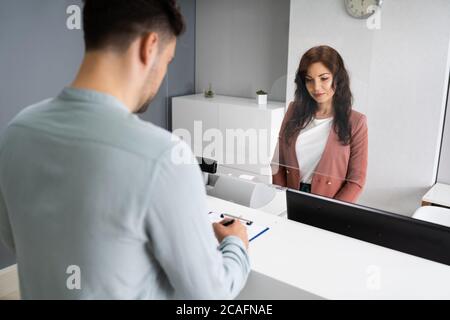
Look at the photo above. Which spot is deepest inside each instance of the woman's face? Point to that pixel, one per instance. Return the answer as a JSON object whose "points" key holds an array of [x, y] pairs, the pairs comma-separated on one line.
{"points": [[319, 83]]}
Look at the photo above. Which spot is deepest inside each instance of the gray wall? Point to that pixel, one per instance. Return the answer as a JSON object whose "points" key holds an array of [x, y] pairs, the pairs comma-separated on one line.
{"points": [[399, 79], [39, 56], [180, 78], [242, 46]]}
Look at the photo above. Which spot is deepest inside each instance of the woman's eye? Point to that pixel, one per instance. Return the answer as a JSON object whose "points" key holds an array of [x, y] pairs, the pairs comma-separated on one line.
{"points": [[324, 79], [308, 80]]}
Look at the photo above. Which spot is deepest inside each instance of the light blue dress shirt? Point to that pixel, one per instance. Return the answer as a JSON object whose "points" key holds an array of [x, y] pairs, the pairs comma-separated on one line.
{"points": [[88, 189]]}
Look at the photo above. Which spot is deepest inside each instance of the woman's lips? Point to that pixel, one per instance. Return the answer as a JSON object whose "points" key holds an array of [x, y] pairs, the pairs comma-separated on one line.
{"points": [[318, 95]]}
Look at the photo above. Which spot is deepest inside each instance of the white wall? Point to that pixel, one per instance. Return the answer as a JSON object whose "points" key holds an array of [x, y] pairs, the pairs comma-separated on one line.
{"points": [[399, 79], [241, 46]]}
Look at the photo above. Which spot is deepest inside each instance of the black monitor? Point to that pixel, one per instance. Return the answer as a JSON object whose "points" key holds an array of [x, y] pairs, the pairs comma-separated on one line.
{"points": [[405, 234]]}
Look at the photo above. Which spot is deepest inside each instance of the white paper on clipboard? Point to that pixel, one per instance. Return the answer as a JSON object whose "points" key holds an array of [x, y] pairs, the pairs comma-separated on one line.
{"points": [[253, 230]]}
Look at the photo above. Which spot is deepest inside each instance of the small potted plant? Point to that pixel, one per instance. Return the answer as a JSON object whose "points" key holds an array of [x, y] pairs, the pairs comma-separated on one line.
{"points": [[261, 96], [209, 93]]}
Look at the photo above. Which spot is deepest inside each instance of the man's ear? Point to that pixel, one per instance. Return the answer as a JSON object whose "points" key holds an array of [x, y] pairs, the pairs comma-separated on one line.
{"points": [[148, 49]]}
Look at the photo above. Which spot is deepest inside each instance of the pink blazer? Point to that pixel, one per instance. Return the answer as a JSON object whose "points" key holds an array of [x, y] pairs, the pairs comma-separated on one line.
{"points": [[341, 172]]}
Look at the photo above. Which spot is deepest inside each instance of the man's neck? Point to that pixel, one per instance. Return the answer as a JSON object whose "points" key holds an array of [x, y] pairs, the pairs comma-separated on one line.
{"points": [[102, 73]]}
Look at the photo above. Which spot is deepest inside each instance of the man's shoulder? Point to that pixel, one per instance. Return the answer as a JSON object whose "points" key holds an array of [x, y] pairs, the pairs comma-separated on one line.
{"points": [[117, 130], [150, 139], [25, 116], [30, 111]]}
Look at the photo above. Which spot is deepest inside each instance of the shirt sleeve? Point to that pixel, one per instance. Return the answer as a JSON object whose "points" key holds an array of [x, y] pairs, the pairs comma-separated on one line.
{"points": [[182, 237], [6, 235]]}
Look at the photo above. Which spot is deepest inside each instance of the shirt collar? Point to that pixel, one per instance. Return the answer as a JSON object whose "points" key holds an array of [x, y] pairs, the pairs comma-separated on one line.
{"points": [[92, 96]]}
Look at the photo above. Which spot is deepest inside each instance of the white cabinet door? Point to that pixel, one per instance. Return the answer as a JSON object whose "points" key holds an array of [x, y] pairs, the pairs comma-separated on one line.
{"points": [[191, 119], [235, 132], [247, 138]]}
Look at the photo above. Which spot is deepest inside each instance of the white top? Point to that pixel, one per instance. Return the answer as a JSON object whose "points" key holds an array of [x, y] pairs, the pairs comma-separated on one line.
{"points": [[310, 145]]}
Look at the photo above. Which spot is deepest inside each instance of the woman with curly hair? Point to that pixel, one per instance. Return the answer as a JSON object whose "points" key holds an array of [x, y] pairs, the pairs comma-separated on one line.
{"points": [[323, 143]]}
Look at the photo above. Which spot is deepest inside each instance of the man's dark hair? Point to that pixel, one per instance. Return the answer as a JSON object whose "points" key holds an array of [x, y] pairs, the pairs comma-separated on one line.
{"points": [[117, 23]]}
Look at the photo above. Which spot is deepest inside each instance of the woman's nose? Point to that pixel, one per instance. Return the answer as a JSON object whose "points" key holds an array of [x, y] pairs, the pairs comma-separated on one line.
{"points": [[316, 85]]}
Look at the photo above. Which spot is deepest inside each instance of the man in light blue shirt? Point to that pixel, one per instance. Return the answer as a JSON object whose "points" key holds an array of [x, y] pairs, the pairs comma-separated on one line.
{"points": [[96, 203]]}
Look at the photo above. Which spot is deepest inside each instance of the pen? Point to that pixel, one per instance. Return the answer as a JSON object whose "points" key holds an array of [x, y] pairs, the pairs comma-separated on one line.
{"points": [[247, 222], [228, 223]]}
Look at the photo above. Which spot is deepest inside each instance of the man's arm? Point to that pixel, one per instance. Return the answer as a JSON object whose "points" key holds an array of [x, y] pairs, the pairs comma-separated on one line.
{"points": [[5, 226], [182, 235]]}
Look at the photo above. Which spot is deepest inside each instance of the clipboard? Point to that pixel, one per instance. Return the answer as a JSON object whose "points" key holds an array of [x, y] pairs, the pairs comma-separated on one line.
{"points": [[253, 230]]}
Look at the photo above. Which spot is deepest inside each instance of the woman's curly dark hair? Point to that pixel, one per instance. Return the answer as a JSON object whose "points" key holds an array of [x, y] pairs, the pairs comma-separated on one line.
{"points": [[305, 107]]}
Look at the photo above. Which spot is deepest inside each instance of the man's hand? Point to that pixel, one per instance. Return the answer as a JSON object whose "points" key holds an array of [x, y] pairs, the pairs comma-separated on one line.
{"points": [[231, 227]]}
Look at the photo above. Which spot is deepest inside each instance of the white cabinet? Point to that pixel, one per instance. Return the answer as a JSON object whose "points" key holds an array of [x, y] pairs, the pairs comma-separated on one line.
{"points": [[236, 132], [438, 195]]}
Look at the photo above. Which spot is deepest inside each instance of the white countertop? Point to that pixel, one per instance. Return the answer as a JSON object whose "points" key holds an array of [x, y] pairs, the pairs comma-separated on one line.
{"points": [[438, 194], [334, 266], [245, 102]]}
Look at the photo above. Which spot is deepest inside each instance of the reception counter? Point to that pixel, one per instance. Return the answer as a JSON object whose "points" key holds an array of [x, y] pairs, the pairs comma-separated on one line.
{"points": [[297, 261]]}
